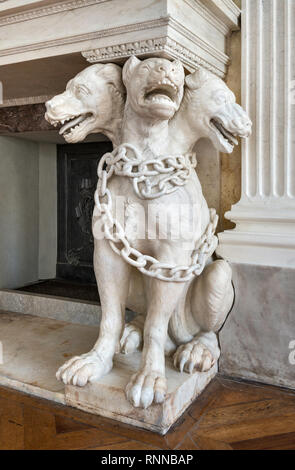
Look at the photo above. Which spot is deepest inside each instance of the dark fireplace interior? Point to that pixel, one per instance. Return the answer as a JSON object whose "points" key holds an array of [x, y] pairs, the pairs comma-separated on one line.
{"points": [[76, 184]]}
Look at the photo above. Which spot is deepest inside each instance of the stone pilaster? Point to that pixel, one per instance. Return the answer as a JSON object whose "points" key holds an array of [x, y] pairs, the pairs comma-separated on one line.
{"points": [[265, 215]]}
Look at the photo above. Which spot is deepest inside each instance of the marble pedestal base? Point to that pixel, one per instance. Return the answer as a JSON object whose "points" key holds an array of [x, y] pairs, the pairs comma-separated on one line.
{"points": [[34, 348]]}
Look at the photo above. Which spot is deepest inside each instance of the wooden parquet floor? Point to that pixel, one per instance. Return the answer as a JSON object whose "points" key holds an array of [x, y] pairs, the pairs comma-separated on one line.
{"points": [[228, 415]]}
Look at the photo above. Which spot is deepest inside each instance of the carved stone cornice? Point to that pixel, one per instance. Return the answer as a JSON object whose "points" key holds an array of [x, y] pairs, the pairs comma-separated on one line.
{"points": [[197, 41], [226, 10], [231, 6], [112, 30], [141, 48], [46, 11], [208, 15], [88, 36], [149, 47]]}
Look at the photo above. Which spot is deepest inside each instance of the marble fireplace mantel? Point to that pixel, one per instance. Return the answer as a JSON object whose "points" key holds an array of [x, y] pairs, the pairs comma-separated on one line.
{"points": [[194, 31]]}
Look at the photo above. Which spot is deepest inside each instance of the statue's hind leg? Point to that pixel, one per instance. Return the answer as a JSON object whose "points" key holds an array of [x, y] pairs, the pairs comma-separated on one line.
{"points": [[210, 299], [132, 337]]}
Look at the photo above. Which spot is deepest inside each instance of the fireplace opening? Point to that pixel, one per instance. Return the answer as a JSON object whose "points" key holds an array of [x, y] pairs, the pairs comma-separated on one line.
{"points": [[63, 288], [76, 184], [76, 181]]}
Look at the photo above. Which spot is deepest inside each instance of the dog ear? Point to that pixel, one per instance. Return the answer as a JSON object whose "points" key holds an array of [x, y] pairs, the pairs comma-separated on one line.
{"points": [[129, 67], [196, 79], [113, 75]]}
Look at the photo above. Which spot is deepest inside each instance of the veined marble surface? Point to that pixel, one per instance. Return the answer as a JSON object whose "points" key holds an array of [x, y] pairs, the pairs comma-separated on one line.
{"points": [[255, 340]]}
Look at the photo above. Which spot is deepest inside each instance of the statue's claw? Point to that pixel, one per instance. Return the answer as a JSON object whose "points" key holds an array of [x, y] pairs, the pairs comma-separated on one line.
{"points": [[146, 388], [80, 370], [194, 356]]}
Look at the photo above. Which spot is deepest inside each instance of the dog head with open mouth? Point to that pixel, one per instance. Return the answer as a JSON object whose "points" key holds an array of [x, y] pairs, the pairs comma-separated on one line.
{"points": [[154, 86], [92, 102], [211, 109]]}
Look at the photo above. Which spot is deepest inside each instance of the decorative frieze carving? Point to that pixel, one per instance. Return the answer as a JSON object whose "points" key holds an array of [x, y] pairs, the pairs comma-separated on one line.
{"points": [[150, 46]]}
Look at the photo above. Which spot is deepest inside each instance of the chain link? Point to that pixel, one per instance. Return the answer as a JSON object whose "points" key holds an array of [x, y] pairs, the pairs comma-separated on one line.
{"points": [[178, 169]]}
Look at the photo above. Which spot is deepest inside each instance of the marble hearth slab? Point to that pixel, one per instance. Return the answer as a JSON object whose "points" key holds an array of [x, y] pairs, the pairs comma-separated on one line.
{"points": [[49, 306], [34, 348], [107, 397]]}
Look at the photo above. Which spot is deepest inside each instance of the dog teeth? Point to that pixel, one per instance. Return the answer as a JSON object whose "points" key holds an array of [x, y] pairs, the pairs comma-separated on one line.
{"points": [[166, 81], [157, 99]]}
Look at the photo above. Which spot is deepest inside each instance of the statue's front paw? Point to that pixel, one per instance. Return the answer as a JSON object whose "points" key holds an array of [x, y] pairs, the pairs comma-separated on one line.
{"points": [[193, 356], [146, 388], [79, 370], [131, 339]]}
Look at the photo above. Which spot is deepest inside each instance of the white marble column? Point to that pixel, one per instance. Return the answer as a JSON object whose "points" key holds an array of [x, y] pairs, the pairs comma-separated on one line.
{"points": [[265, 215]]}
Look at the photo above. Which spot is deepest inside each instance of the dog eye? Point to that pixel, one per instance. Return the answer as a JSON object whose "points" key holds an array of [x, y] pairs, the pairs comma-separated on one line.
{"points": [[80, 90], [219, 97]]}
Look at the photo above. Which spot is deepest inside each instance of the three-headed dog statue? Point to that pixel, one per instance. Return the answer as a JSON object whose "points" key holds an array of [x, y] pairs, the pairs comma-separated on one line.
{"points": [[181, 296]]}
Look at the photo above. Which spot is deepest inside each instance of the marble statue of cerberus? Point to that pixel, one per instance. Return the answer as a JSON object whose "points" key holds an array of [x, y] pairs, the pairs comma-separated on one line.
{"points": [[180, 294]]}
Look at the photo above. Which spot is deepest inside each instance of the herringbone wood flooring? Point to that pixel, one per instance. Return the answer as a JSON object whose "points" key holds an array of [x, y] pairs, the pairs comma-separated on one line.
{"points": [[228, 415]]}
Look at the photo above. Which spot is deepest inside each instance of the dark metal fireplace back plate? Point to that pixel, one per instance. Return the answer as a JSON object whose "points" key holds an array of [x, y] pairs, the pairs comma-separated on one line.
{"points": [[77, 179]]}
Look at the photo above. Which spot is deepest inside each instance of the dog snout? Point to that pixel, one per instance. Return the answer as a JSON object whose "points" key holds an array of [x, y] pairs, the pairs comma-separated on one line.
{"points": [[54, 103], [170, 70], [239, 122], [164, 68], [244, 123], [49, 110]]}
